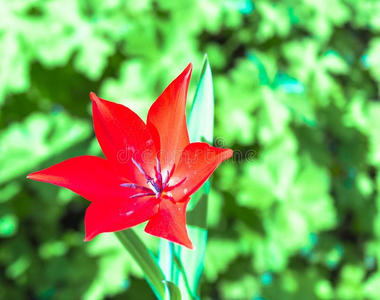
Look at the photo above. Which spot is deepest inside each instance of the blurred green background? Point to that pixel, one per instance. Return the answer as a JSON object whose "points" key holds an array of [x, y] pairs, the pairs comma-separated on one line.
{"points": [[294, 215]]}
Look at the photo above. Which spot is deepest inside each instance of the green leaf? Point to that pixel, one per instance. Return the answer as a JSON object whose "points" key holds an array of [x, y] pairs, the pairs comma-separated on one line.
{"points": [[350, 285], [371, 286], [8, 225], [14, 61], [37, 139], [145, 260], [201, 118], [219, 256], [197, 212], [172, 290]]}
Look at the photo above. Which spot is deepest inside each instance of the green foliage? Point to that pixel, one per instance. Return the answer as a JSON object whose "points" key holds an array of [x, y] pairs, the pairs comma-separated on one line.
{"points": [[294, 214]]}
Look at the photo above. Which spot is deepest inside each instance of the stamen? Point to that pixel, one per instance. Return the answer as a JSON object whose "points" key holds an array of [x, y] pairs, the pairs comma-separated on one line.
{"points": [[171, 171], [135, 186], [158, 165], [130, 185], [166, 179], [158, 176], [169, 188], [157, 185], [141, 170], [154, 187], [142, 195], [158, 173]]}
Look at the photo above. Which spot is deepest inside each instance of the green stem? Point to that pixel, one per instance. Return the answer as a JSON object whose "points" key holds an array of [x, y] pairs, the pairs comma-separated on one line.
{"points": [[144, 259], [181, 268], [172, 274]]}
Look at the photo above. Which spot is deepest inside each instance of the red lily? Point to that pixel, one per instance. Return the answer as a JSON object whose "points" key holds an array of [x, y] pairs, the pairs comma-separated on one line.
{"points": [[150, 170]]}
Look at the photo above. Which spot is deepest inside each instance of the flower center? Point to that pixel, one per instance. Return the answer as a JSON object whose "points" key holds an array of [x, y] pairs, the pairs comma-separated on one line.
{"points": [[156, 186]]}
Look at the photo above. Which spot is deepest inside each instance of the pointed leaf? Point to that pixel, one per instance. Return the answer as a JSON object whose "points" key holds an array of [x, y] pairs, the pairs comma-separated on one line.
{"points": [[145, 260], [172, 290], [201, 118]]}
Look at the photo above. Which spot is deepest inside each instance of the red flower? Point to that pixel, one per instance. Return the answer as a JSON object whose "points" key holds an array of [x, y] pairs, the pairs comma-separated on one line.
{"points": [[150, 170]]}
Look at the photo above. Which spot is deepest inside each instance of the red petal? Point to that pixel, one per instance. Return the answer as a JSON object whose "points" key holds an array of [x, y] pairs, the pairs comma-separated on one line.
{"points": [[122, 135], [170, 223], [110, 216], [197, 163], [167, 120], [89, 176]]}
